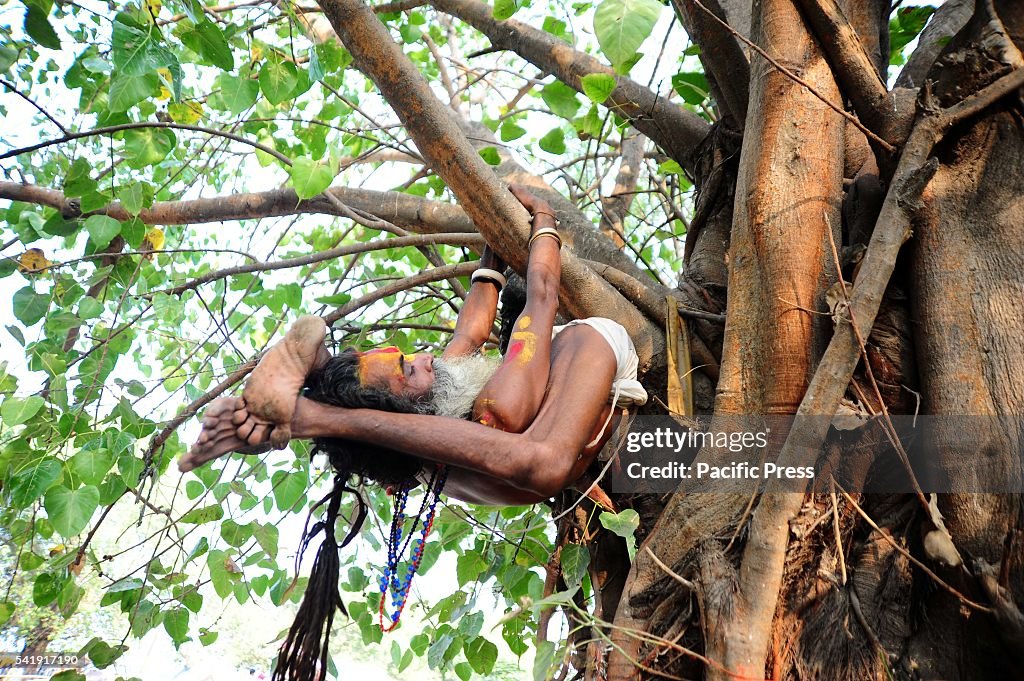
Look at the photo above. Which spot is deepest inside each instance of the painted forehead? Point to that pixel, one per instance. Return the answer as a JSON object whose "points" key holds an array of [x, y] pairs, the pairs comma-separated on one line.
{"points": [[380, 363]]}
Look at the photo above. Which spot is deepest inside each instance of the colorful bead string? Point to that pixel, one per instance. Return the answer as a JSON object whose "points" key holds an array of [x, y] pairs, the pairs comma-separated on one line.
{"points": [[396, 549]]}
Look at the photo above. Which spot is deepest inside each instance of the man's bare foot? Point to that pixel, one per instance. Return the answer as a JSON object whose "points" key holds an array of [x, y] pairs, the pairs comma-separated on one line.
{"points": [[219, 435], [273, 388]]}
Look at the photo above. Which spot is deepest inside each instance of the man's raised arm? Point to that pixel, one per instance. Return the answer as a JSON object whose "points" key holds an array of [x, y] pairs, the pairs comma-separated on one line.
{"points": [[476, 319]]}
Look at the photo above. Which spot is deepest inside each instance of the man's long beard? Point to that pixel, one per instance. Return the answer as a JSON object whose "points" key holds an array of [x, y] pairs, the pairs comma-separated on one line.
{"points": [[458, 381]]}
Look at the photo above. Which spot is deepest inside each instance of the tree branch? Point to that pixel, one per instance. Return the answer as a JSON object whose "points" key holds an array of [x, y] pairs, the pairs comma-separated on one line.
{"points": [[854, 69], [948, 19], [500, 218], [148, 124], [721, 55], [670, 126], [405, 210]]}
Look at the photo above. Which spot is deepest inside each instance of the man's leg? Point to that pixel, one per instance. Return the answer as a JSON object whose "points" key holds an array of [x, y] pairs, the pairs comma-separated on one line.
{"points": [[273, 387]]}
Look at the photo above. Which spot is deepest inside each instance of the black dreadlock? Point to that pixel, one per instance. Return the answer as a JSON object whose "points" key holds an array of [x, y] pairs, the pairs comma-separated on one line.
{"points": [[303, 656]]}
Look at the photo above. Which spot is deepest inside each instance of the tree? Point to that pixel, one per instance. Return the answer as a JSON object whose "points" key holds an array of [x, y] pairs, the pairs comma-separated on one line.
{"points": [[816, 189]]}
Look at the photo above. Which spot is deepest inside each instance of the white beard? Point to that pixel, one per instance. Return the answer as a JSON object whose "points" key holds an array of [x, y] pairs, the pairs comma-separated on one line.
{"points": [[458, 381]]}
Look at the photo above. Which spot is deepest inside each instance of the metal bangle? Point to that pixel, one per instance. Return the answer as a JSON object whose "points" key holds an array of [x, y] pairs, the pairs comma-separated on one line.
{"points": [[487, 274], [545, 231]]}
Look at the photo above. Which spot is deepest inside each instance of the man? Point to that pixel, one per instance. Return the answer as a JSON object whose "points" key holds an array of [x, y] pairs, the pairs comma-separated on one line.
{"points": [[512, 433], [537, 421]]}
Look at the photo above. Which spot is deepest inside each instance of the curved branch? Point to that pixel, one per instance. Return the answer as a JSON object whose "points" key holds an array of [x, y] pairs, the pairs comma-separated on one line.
{"points": [[405, 210], [147, 124], [341, 251], [670, 126], [948, 19], [461, 269], [500, 218]]}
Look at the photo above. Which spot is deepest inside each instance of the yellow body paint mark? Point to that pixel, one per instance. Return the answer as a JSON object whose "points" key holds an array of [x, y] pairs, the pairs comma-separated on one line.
{"points": [[524, 322], [524, 351]]}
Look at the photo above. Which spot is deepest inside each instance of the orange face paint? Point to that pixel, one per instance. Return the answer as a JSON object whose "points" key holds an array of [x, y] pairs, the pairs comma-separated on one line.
{"points": [[379, 364]]}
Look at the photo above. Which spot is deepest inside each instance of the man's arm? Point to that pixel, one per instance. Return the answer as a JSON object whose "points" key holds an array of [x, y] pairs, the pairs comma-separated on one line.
{"points": [[476, 319]]}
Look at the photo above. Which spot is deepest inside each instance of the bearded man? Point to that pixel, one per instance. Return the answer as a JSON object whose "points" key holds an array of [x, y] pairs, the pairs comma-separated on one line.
{"points": [[509, 432]]}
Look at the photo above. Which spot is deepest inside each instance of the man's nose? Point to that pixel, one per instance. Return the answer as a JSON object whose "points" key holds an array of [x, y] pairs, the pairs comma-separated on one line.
{"points": [[425, 361]]}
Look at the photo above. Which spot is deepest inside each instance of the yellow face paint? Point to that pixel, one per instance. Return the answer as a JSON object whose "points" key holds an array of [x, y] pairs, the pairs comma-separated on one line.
{"points": [[377, 366], [524, 322]]}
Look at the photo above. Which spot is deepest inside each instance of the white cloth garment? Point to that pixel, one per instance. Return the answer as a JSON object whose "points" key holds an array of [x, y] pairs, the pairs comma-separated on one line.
{"points": [[626, 391]]}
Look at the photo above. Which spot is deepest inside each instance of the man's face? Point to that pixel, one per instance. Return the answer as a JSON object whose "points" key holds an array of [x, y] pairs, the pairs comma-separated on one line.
{"points": [[407, 375]]}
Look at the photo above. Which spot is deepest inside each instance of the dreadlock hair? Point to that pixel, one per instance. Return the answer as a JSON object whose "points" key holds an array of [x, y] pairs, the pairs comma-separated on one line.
{"points": [[303, 656]]}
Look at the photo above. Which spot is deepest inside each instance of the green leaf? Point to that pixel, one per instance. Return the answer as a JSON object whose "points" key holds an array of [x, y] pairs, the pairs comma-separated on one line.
{"points": [[503, 9], [490, 156], [68, 675], [6, 610], [692, 87], [575, 560], [102, 230], [277, 80], [553, 142], [289, 488], [309, 177], [235, 534], [510, 131], [131, 197], [70, 510], [137, 49], [18, 410], [176, 624], [561, 99], [481, 654], [208, 41], [237, 94], [39, 28], [205, 514], [623, 524], [103, 655], [670, 167], [543, 660], [147, 146], [8, 56], [127, 90], [91, 465], [207, 637], [29, 307], [622, 26], [29, 484], [267, 536], [598, 86]]}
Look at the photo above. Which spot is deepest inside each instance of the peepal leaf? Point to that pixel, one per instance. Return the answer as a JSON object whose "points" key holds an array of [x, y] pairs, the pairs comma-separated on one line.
{"points": [[309, 177], [622, 26], [623, 524], [598, 86], [277, 80], [17, 410], [70, 510], [102, 230], [29, 306], [207, 40], [39, 28], [237, 94]]}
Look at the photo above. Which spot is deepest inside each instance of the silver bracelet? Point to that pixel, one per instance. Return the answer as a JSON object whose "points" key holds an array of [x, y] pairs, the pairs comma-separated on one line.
{"points": [[487, 274], [545, 231]]}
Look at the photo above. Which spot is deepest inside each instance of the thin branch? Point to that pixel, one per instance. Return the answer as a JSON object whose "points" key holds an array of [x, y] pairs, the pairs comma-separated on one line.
{"points": [[351, 249], [436, 274], [38, 108], [147, 124]]}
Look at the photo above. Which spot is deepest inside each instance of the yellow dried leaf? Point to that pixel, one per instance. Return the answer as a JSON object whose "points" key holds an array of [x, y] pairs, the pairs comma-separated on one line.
{"points": [[33, 261], [153, 6], [154, 240], [185, 112]]}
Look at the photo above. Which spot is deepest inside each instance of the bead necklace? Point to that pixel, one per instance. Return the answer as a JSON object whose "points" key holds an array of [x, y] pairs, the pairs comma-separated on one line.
{"points": [[396, 548]]}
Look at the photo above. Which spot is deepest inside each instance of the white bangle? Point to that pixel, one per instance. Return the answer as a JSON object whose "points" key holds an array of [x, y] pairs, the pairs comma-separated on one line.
{"points": [[545, 231], [487, 274]]}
